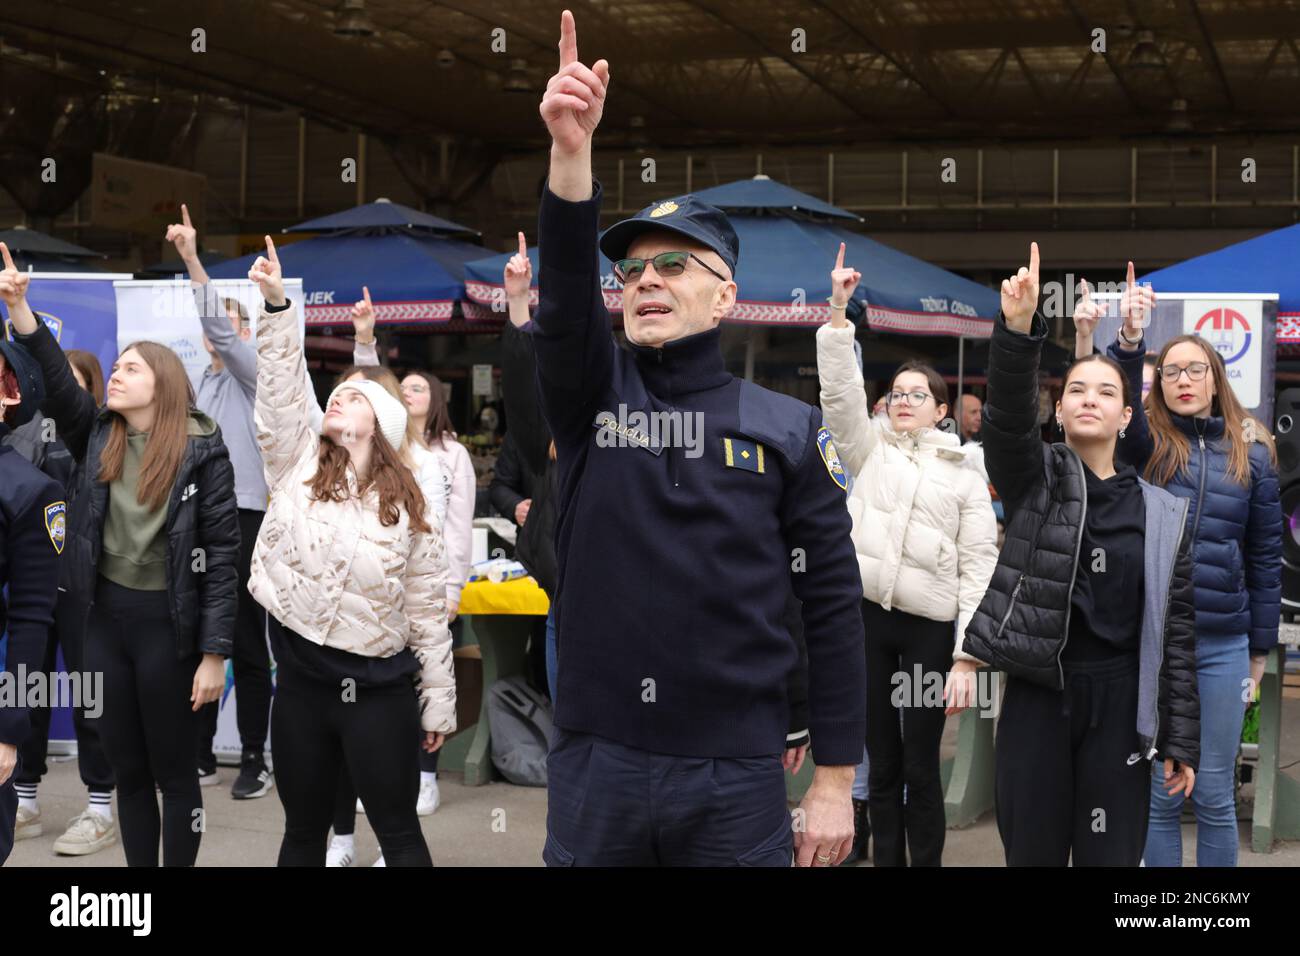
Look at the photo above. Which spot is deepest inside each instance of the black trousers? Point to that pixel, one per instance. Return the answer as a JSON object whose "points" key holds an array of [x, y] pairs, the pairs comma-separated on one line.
{"points": [[250, 659], [919, 652], [375, 736], [1068, 782], [96, 772], [148, 728], [345, 799], [8, 813]]}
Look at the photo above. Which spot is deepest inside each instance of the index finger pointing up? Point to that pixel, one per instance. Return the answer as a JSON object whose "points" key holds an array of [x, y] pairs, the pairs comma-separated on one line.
{"points": [[1033, 262], [1132, 279], [9, 260], [568, 39], [523, 246], [839, 259], [270, 251], [185, 216], [365, 294]]}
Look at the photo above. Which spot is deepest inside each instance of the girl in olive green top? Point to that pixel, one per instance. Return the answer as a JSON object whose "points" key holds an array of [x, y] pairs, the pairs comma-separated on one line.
{"points": [[150, 558]]}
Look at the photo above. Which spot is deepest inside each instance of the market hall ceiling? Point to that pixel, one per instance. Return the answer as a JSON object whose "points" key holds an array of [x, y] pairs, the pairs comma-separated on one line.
{"points": [[684, 72]]}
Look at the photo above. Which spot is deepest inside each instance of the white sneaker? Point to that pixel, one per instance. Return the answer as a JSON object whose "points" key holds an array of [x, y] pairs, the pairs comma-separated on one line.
{"points": [[87, 833], [360, 808], [429, 799], [339, 853], [380, 861], [209, 779], [28, 824]]}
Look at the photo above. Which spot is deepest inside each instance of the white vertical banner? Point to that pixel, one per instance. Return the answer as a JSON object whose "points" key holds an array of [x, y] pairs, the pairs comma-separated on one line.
{"points": [[1233, 327], [164, 311]]}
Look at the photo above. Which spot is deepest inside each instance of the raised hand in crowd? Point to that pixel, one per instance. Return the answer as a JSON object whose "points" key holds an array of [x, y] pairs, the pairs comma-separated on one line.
{"points": [[844, 280], [1087, 313], [13, 292], [1136, 306], [518, 279], [1020, 294], [571, 109], [184, 237], [266, 275], [363, 318]]}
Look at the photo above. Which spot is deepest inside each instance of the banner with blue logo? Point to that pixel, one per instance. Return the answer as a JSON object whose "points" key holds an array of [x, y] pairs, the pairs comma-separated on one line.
{"points": [[1242, 328]]}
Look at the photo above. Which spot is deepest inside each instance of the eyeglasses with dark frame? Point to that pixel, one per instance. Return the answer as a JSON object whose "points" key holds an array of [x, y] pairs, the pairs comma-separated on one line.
{"points": [[1195, 371], [915, 398], [667, 264]]}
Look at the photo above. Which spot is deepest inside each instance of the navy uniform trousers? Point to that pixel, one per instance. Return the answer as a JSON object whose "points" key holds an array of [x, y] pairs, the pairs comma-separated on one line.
{"points": [[613, 805]]}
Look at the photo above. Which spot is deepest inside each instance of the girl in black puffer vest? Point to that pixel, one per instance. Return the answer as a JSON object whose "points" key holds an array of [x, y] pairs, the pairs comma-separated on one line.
{"points": [[1089, 611]]}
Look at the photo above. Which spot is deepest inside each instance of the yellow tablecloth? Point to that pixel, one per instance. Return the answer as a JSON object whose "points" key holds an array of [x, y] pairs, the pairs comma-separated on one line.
{"points": [[517, 596]]}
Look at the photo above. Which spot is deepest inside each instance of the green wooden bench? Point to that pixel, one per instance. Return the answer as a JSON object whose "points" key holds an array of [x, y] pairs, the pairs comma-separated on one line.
{"points": [[1277, 794]]}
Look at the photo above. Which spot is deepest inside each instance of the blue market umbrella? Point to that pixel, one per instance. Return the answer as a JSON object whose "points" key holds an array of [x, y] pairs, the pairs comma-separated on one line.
{"points": [[382, 215], [764, 194], [1267, 263], [412, 279]]}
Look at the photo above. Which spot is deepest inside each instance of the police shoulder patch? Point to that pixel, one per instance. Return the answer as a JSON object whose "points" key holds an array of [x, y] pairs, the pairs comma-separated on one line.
{"points": [[831, 458], [56, 524]]}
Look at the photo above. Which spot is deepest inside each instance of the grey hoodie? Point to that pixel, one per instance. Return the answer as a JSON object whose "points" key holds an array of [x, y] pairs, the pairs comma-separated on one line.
{"points": [[227, 396]]}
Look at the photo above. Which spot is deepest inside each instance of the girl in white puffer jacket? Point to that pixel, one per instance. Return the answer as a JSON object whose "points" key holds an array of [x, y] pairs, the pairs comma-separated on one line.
{"points": [[926, 541], [349, 564]]}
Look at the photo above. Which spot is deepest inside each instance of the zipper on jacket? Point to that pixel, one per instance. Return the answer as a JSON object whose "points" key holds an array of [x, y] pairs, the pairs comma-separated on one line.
{"points": [[1074, 574], [1160, 647], [1200, 494], [1015, 593]]}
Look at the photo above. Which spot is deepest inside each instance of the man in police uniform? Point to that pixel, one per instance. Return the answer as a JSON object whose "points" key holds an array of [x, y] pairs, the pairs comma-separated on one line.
{"points": [[33, 517], [678, 550]]}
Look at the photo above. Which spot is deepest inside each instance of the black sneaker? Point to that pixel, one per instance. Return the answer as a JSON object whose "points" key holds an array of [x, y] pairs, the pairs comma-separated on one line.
{"points": [[861, 833], [254, 779]]}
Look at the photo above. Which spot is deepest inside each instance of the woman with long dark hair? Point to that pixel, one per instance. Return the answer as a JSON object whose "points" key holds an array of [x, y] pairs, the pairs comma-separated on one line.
{"points": [[1089, 611], [1202, 446], [348, 563], [152, 544]]}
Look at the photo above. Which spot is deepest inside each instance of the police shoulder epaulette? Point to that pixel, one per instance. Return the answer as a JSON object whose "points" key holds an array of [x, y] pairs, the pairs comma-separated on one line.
{"points": [[777, 420]]}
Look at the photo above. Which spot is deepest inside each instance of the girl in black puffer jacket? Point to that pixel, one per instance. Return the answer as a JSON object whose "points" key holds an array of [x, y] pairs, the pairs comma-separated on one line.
{"points": [[1089, 611], [150, 566]]}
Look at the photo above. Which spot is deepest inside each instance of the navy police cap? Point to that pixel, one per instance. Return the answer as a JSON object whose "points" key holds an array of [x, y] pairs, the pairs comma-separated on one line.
{"points": [[684, 215]]}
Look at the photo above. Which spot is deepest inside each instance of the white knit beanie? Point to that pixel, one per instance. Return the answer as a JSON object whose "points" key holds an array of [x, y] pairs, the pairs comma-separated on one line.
{"points": [[390, 413]]}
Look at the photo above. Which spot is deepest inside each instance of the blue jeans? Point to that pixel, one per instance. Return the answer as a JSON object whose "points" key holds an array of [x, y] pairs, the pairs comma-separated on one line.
{"points": [[551, 664], [1222, 670]]}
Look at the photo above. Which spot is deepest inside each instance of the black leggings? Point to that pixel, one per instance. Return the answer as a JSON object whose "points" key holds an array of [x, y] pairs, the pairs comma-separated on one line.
{"points": [[1068, 782], [900, 642], [345, 800], [68, 633], [375, 736], [250, 659], [148, 728]]}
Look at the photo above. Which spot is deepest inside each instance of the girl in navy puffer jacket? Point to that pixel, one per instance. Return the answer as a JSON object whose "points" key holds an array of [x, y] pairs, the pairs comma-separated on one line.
{"points": [[1202, 445]]}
